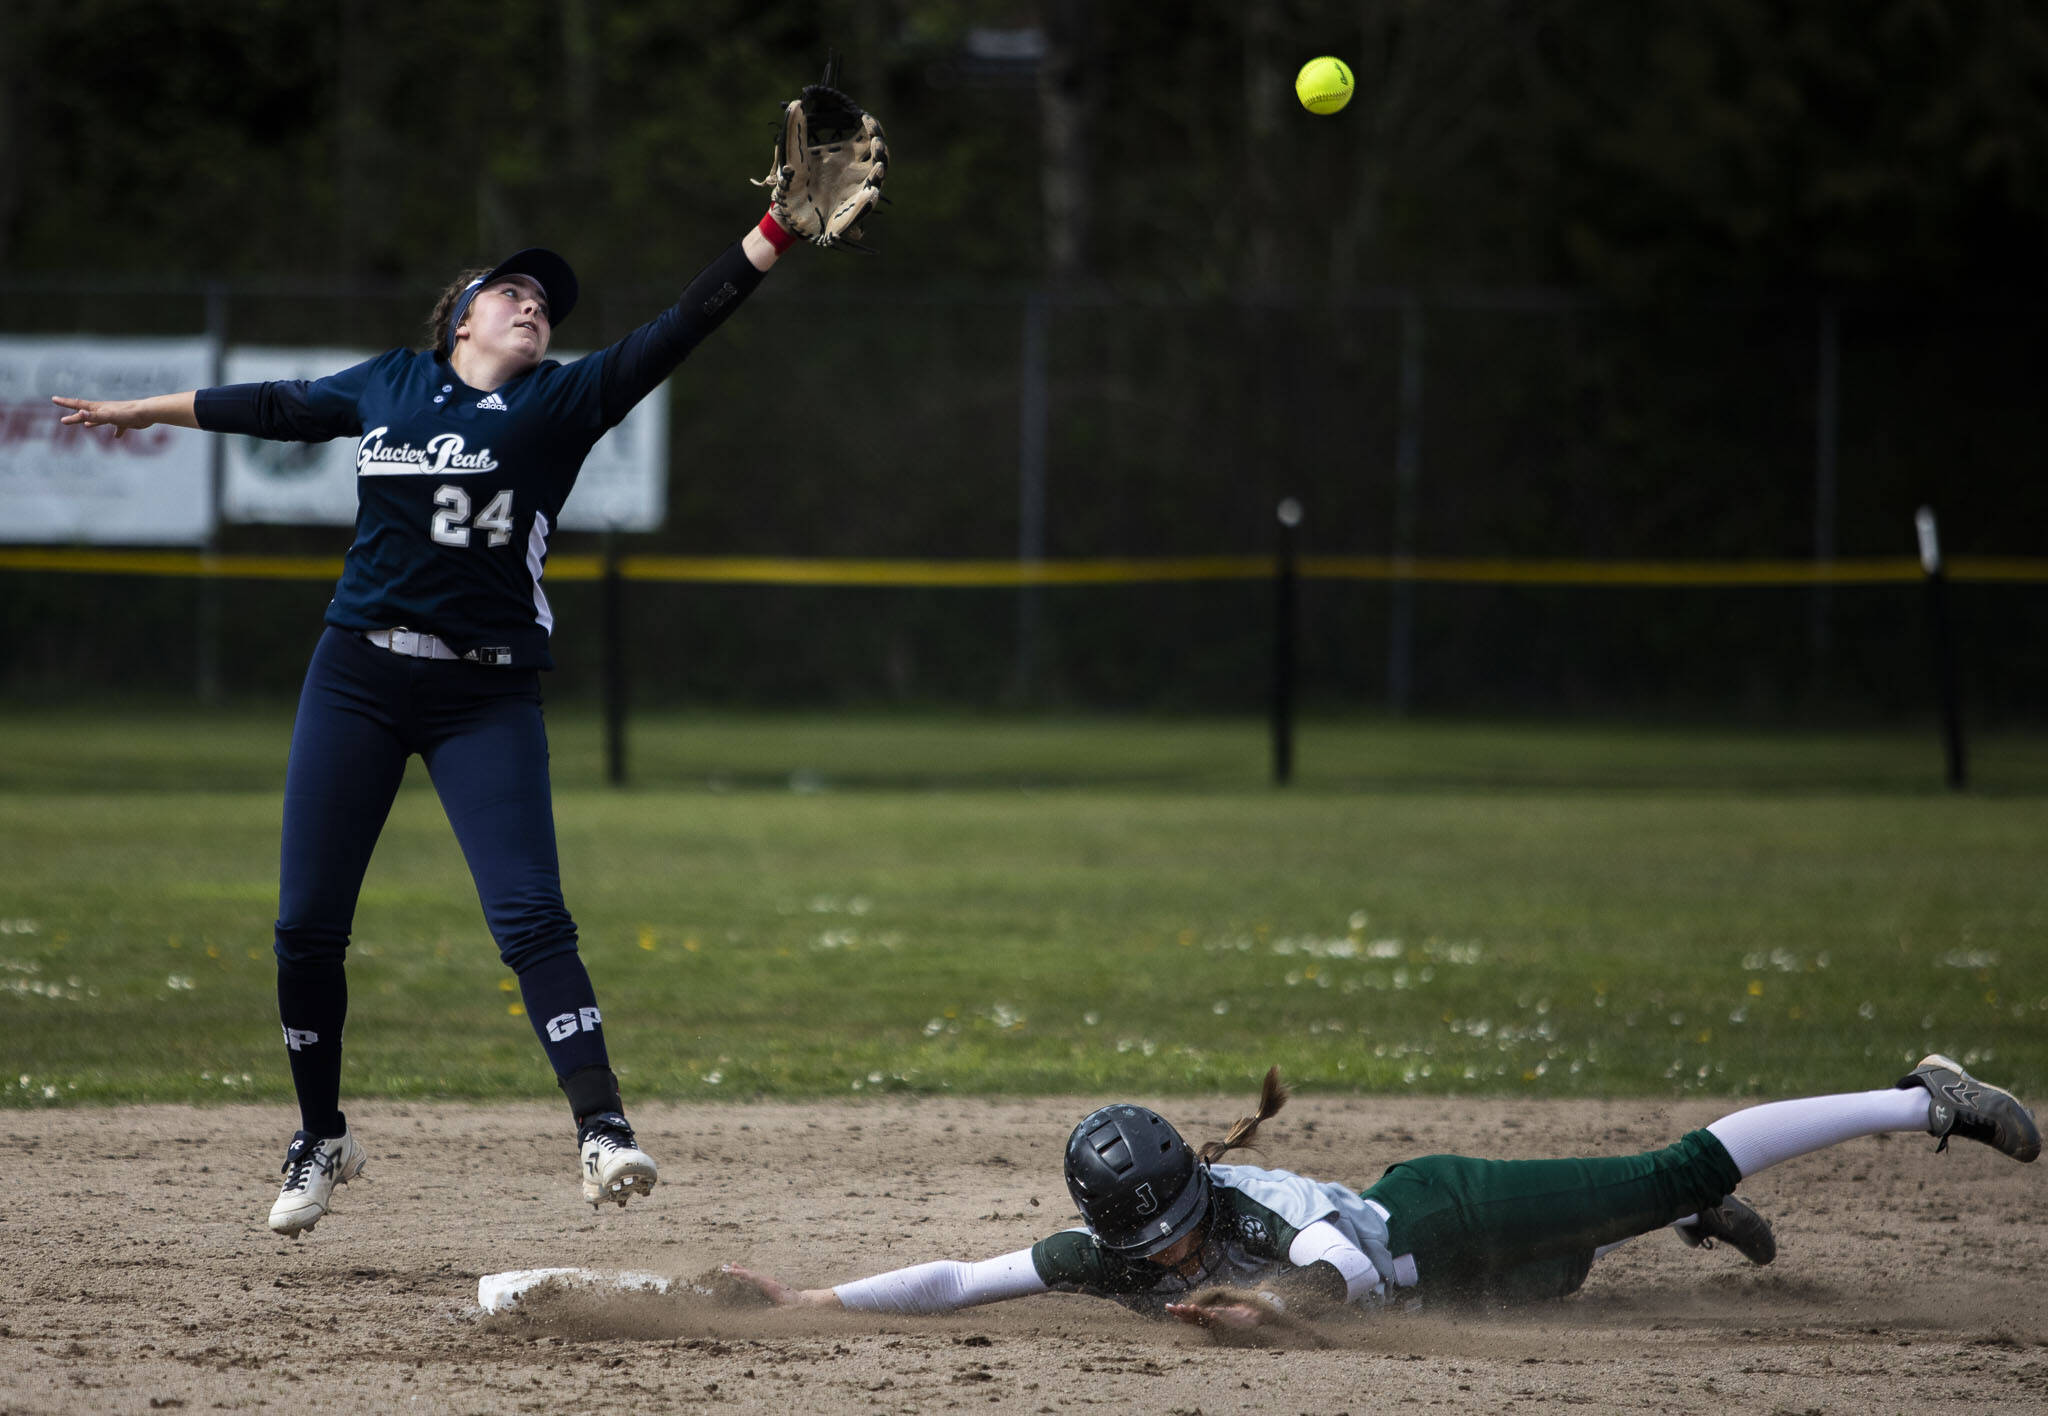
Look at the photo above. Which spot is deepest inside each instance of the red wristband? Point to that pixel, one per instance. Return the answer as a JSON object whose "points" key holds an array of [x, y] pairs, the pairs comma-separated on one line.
{"points": [[772, 232]]}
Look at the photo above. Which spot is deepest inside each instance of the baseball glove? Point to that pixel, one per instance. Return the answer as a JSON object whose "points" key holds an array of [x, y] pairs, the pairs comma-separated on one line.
{"points": [[828, 168]]}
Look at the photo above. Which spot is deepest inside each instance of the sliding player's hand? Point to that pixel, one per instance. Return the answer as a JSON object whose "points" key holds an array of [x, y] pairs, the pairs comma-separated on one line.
{"points": [[778, 1293], [1235, 1317]]}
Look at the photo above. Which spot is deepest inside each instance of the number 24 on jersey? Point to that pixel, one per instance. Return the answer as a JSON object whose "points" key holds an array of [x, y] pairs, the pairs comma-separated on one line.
{"points": [[452, 522]]}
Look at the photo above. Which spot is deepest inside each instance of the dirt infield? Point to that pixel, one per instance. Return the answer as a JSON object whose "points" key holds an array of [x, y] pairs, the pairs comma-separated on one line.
{"points": [[138, 1274]]}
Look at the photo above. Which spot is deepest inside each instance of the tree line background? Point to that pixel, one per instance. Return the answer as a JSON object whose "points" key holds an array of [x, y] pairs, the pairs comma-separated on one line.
{"points": [[1617, 240]]}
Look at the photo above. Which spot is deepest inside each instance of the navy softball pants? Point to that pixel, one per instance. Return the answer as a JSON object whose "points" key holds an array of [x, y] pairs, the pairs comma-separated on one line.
{"points": [[362, 713]]}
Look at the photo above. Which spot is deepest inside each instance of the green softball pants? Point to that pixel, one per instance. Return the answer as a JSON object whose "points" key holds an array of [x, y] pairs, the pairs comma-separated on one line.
{"points": [[1520, 1230]]}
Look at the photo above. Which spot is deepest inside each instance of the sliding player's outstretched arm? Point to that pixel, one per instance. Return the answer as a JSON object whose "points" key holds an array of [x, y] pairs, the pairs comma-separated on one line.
{"points": [[943, 1286]]}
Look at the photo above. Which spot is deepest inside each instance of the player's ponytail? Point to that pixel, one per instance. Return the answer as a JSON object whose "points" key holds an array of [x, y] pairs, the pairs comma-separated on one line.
{"points": [[444, 308], [1272, 1096]]}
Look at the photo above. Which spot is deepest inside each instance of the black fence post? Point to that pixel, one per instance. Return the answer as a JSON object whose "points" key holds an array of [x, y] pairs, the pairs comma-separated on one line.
{"points": [[206, 616], [1944, 651], [1407, 485], [1284, 629], [614, 663], [1827, 419], [1033, 412]]}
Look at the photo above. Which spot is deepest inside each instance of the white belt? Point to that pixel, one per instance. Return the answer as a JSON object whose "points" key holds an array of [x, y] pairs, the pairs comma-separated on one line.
{"points": [[410, 643], [1405, 1272]]}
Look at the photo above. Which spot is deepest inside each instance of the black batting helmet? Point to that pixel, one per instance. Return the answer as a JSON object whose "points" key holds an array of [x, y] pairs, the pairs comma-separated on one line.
{"points": [[1136, 1182]]}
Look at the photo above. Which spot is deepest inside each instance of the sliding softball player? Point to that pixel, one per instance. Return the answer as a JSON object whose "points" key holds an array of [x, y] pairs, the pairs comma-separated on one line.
{"points": [[1168, 1231]]}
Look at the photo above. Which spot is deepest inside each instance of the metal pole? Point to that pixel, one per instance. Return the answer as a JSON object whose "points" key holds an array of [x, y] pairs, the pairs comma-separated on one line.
{"points": [[1944, 654], [206, 612], [1407, 478], [1285, 630], [1033, 412], [614, 663], [1826, 435]]}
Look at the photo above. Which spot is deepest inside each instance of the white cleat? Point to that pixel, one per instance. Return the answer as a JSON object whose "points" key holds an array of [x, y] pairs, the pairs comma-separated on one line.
{"points": [[312, 1168], [614, 1166]]}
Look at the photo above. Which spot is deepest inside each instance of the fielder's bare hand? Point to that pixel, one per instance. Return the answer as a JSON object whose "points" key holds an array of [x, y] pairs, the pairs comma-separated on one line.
{"points": [[127, 415]]}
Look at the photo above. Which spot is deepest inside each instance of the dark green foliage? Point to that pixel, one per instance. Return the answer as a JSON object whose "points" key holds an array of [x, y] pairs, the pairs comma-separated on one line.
{"points": [[1705, 181], [1626, 147]]}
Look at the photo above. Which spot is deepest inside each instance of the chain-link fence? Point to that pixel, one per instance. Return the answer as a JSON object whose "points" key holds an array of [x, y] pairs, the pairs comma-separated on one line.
{"points": [[942, 426]]}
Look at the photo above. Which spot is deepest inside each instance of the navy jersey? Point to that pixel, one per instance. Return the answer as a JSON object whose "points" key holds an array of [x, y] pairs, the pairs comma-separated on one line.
{"points": [[459, 491]]}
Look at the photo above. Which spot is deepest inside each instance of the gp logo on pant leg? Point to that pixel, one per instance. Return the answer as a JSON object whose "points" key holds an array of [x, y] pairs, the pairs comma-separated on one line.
{"points": [[564, 1026], [297, 1039]]}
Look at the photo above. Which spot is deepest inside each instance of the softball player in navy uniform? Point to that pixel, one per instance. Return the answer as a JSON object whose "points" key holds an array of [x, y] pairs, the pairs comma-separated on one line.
{"points": [[1169, 1232], [441, 622]]}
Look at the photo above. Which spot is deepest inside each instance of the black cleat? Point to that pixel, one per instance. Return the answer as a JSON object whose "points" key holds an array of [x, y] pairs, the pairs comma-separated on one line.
{"points": [[1960, 1105], [1734, 1224]]}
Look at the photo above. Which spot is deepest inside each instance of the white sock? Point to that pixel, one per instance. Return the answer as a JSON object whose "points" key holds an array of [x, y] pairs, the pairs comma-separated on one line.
{"points": [[1779, 1130]]}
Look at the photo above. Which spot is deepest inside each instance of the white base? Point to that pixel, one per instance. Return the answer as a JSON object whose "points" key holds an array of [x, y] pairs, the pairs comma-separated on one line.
{"points": [[497, 1292]]}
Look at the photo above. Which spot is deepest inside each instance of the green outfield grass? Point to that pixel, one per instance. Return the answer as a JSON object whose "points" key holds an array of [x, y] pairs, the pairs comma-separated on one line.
{"points": [[820, 906]]}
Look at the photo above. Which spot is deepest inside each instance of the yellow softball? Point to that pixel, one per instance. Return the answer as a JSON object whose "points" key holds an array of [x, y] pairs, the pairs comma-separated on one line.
{"points": [[1323, 85]]}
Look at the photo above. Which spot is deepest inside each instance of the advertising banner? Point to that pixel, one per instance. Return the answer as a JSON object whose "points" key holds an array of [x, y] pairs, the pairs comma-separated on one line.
{"points": [[288, 483], [70, 486], [623, 486]]}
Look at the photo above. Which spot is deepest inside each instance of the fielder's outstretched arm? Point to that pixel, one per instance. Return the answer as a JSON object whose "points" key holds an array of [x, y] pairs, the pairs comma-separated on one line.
{"points": [[126, 415]]}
